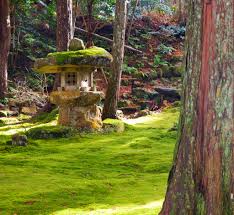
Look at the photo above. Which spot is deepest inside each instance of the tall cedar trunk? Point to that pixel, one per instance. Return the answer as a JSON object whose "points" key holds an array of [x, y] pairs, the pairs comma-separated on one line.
{"points": [[65, 29], [90, 22], [64, 24], [5, 38], [112, 94], [202, 178]]}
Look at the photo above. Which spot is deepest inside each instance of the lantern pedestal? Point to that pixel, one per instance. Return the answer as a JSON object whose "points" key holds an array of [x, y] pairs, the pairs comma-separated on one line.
{"points": [[79, 110]]}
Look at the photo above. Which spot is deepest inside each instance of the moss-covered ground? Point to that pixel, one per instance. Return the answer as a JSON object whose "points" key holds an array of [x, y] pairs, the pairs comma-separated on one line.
{"points": [[88, 174]]}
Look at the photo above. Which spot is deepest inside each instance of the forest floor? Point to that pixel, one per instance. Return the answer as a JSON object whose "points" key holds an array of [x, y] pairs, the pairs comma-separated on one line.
{"points": [[90, 173]]}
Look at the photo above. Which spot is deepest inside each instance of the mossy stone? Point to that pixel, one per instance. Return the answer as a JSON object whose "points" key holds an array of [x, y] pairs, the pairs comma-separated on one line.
{"points": [[113, 125], [58, 62], [50, 132], [76, 44]]}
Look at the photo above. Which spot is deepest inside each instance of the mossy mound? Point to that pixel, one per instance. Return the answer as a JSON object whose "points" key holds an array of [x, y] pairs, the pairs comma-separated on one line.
{"points": [[113, 125], [56, 62], [2, 123], [46, 117], [50, 132]]}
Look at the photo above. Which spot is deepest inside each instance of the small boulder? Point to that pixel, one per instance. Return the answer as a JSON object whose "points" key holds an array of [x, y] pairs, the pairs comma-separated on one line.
{"points": [[19, 140], [13, 113], [119, 114], [144, 93], [142, 113], [124, 103], [169, 94], [113, 125], [76, 44], [29, 110]]}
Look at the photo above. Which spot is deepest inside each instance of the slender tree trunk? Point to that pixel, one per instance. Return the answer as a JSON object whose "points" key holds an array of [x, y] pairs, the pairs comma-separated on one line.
{"points": [[110, 106], [65, 29], [132, 20], [5, 39], [202, 178]]}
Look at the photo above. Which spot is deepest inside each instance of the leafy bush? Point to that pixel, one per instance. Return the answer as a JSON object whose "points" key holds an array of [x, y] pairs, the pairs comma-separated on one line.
{"points": [[163, 49], [158, 61], [129, 70], [156, 5], [4, 101], [101, 9], [177, 31]]}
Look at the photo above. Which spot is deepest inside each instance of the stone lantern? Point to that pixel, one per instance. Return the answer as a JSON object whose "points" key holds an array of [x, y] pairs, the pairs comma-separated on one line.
{"points": [[76, 95]]}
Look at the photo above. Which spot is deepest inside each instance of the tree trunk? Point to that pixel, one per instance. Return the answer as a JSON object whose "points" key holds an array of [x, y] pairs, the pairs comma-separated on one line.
{"points": [[65, 30], [132, 20], [5, 39], [90, 23], [201, 180], [112, 94], [64, 24]]}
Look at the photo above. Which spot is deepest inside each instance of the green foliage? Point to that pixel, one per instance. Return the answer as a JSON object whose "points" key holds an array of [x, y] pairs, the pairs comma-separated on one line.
{"points": [[33, 35], [158, 61], [92, 174], [103, 10], [4, 101], [163, 49], [157, 5], [2, 123], [129, 69]]}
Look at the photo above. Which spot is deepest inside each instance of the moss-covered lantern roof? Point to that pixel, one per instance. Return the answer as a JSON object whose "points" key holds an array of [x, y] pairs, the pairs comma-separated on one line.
{"points": [[73, 60]]}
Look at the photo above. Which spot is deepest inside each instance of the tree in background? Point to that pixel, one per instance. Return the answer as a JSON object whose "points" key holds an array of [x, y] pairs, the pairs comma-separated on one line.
{"points": [[181, 10], [112, 94], [202, 178], [5, 38], [65, 29]]}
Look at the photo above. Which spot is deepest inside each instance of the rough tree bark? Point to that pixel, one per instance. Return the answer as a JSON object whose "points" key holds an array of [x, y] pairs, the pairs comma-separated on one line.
{"points": [[65, 29], [90, 22], [202, 178], [112, 94], [5, 38], [181, 10]]}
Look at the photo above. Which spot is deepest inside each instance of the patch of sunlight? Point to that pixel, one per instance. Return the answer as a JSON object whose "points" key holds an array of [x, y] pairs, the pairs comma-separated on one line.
{"points": [[11, 130], [141, 119], [139, 139], [133, 209]]}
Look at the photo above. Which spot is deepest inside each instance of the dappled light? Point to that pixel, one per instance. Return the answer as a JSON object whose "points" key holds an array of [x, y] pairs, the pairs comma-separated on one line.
{"points": [[90, 173], [148, 208]]}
